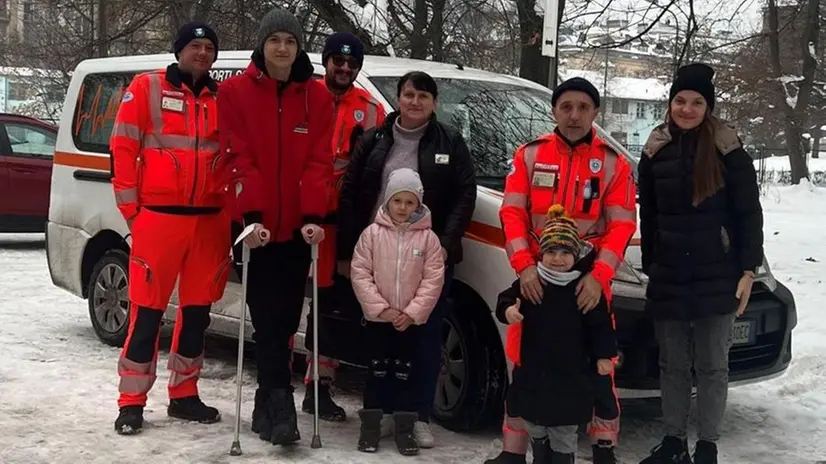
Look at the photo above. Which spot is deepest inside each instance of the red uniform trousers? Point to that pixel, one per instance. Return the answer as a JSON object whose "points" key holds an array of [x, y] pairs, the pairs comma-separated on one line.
{"points": [[164, 247]]}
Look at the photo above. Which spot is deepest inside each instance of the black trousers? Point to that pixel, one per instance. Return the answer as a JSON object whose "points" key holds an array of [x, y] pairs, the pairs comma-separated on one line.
{"points": [[392, 355], [275, 295]]}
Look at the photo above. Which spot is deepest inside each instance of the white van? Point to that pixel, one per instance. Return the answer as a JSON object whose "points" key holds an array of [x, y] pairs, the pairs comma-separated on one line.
{"points": [[88, 244]]}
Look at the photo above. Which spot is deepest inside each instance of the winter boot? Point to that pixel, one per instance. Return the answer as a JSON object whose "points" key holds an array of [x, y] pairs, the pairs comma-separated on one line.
{"points": [[261, 421], [370, 430], [328, 410], [561, 458], [705, 452], [405, 441], [130, 420], [281, 409], [542, 452], [506, 457], [672, 450], [604, 453], [191, 408]]}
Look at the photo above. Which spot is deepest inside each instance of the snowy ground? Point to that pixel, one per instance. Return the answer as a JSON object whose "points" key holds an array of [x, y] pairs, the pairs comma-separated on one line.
{"points": [[58, 383]]}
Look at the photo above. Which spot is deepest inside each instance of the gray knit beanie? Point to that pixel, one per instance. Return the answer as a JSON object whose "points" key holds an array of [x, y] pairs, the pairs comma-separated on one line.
{"points": [[279, 20]]}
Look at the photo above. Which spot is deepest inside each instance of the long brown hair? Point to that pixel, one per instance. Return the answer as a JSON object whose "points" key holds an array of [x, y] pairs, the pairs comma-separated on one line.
{"points": [[708, 167]]}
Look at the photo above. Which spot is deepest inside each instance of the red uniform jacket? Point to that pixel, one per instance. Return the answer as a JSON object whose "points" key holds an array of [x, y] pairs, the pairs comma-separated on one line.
{"points": [[595, 185], [165, 145], [278, 136]]}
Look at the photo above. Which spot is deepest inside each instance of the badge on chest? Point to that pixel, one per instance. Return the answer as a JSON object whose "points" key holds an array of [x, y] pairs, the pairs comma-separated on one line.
{"points": [[545, 175], [172, 104]]}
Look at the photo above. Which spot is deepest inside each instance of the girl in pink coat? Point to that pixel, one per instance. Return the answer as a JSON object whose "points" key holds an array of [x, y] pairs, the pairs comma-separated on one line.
{"points": [[397, 273]]}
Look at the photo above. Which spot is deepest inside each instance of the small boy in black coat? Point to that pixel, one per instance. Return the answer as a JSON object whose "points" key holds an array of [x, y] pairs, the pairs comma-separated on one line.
{"points": [[562, 353]]}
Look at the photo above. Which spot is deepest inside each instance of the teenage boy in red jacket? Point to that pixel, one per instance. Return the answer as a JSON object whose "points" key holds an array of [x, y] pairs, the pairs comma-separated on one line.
{"points": [[276, 126]]}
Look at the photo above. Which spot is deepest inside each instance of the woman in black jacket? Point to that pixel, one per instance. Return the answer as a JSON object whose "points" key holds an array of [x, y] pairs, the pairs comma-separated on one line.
{"points": [[413, 138], [701, 227]]}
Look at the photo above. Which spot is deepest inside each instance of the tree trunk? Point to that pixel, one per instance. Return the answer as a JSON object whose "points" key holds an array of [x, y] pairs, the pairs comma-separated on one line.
{"points": [[437, 27], [418, 35], [532, 65], [791, 115], [816, 136], [103, 29]]}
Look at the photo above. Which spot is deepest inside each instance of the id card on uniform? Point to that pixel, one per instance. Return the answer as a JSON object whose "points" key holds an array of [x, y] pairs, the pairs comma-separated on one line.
{"points": [[544, 175], [172, 104]]}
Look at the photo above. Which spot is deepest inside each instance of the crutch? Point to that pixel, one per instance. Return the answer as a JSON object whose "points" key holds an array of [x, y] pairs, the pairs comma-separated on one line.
{"points": [[235, 449], [316, 442]]}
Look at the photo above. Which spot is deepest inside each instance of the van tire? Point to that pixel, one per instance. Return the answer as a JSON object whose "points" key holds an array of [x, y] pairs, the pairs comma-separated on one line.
{"points": [[481, 397], [111, 323]]}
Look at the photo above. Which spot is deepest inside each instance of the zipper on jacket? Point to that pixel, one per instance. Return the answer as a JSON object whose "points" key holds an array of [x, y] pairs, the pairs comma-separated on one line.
{"points": [[568, 177], [278, 174], [576, 194], [197, 136], [399, 235]]}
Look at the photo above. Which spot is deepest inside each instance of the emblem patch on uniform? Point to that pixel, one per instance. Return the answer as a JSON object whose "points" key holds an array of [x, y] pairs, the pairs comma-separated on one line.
{"points": [[199, 32], [301, 129], [417, 252], [345, 50], [442, 158], [595, 164], [127, 97], [358, 115]]}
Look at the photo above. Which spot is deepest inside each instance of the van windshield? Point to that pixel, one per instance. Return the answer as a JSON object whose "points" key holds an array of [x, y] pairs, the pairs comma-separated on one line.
{"points": [[494, 118]]}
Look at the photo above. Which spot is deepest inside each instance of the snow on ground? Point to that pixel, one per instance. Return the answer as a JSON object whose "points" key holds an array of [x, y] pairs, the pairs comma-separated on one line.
{"points": [[58, 383]]}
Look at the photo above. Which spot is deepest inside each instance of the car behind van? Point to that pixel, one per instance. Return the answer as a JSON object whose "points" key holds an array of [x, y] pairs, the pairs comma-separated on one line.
{"points": [[88, 243]]}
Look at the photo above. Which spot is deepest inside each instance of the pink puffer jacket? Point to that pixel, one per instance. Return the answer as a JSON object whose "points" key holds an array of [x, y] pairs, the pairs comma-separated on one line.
{"points": [[399, 267]]}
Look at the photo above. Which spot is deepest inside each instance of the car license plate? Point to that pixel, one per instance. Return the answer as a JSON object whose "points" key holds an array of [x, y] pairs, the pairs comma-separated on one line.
{"points": [[743, 333]]}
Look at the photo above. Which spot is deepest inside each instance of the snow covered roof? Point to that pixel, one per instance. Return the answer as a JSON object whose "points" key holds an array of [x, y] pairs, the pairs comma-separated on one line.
{"points": [[629, 88]]}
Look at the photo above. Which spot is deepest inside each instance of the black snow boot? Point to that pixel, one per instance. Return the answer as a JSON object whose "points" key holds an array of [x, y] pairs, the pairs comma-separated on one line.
{"points": [[604, 453], [705, 452], [130, 420], [191, 408], [542, 452], [672, 450], [562, 458], [328, 410], [506, 457], [281, 409], [261, 421], [405, 440], [370, 430]]}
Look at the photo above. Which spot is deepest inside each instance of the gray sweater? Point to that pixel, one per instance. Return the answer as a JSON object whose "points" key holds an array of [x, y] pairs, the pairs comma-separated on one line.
{"points": [[403, 154]]}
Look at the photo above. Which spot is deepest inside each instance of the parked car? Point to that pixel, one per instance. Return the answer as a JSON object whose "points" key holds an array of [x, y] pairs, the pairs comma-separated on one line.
{"points": [[26, 151], [88, 244]]}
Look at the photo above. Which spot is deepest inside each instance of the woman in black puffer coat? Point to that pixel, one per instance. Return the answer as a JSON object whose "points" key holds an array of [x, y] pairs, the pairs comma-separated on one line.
{"points": [[701, 227]]}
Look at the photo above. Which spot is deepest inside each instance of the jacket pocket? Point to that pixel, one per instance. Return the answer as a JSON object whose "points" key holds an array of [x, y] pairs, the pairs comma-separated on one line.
{"points": [[161, 173], [725, 239]]}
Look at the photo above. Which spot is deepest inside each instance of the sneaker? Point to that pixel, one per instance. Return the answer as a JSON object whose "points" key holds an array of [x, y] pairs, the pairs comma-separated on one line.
{"points": [[421, 430], [130, 420], [506, 457], [705, 452], [604, 453], [191, 408], [328, 410], [387, 425], [672, 450]]}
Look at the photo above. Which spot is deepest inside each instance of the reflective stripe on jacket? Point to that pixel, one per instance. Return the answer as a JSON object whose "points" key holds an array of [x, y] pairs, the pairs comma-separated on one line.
{"points": [[594, 184], [164, 145]]}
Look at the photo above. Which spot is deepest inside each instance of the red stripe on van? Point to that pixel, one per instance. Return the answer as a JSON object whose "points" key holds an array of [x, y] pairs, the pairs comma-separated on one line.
{"points": [[77, 160]]}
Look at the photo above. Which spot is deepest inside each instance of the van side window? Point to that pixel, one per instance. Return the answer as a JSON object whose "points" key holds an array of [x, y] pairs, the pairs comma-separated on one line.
{"points": [[97, 105]]}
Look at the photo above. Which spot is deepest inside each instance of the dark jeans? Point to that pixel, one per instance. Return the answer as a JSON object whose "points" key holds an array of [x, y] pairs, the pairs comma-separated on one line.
{"points": [[388, 385], [428, 364], [703, 345], [275, 295]]}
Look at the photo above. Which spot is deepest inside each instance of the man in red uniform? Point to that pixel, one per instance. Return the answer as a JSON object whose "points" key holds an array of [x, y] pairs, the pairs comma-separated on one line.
{"points": [[277, 125], [355, 112], [573, 167], [169, 186]]}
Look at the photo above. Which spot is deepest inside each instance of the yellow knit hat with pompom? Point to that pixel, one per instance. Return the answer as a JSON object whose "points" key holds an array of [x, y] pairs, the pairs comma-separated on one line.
{"points": [[560, 232]]}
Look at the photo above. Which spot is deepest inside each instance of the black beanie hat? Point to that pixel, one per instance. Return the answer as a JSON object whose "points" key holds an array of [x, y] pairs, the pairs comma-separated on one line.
{"points": [[696, 77], [191, 31], [579, 84], [343, 43]]}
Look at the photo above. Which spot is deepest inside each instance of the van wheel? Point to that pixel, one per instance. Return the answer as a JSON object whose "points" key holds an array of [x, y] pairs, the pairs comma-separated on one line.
{"points": [[109, 298], [469, 389]]}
